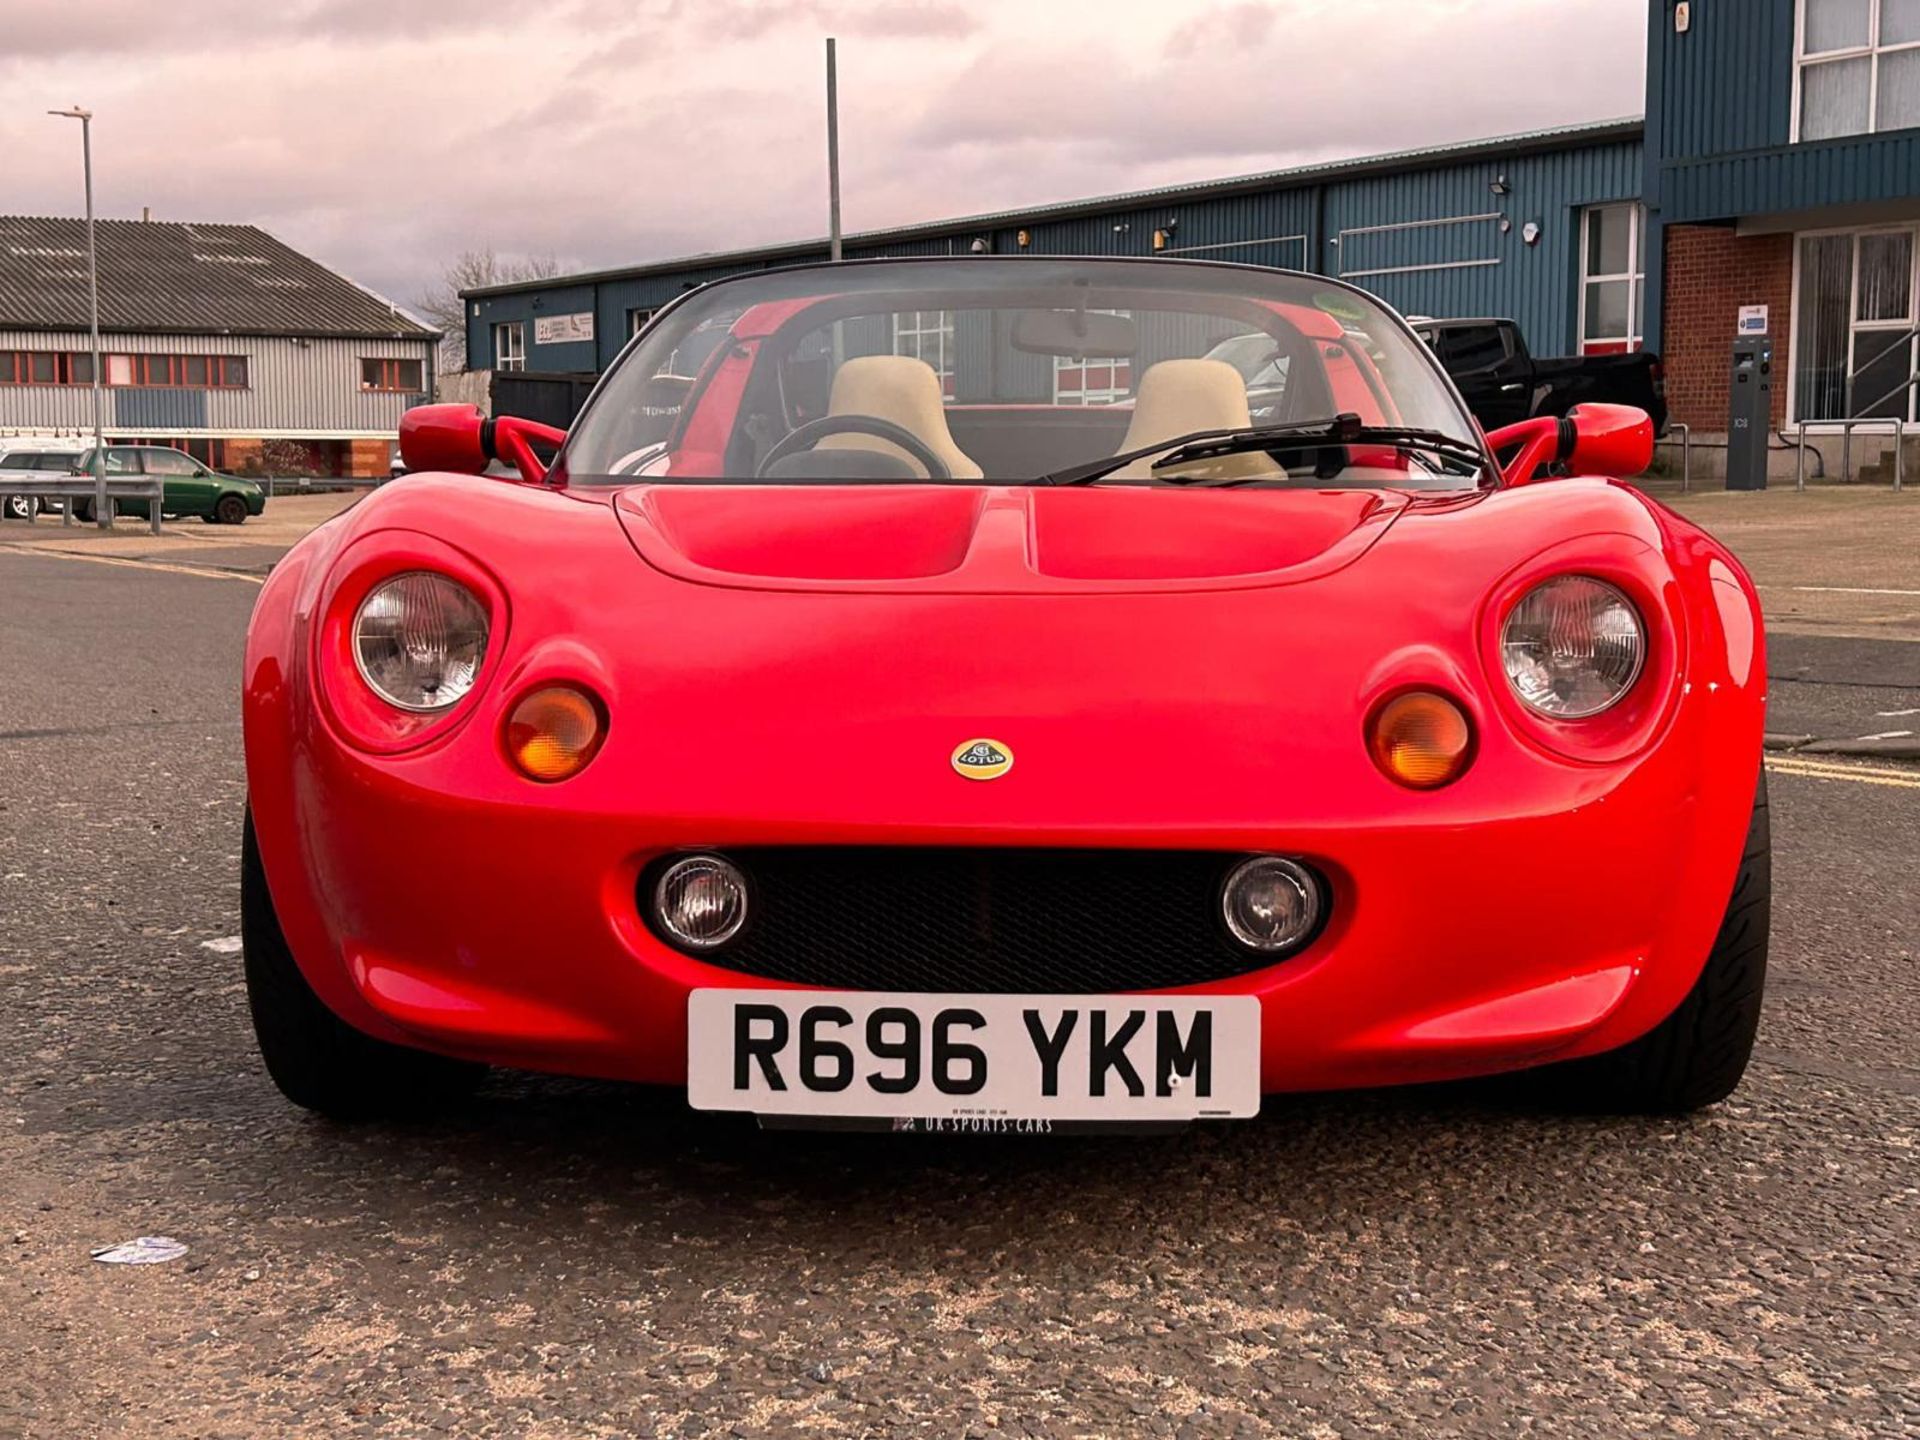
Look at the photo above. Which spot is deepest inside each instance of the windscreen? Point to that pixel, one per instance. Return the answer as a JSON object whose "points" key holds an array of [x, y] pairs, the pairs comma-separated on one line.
{"points": [[1016, 370]]}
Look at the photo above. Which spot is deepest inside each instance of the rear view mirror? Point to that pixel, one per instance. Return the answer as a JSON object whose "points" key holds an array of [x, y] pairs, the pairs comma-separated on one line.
{"points": [[1076, 334], [459, 440]]}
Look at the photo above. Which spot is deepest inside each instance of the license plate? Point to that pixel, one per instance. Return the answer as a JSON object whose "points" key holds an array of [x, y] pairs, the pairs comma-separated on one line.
{"points": [[974, 1057]]}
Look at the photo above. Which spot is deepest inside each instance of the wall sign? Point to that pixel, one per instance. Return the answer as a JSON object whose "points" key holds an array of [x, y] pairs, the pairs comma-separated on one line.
{"points": [[1682, 18], [563, 329], [1753, 320]]}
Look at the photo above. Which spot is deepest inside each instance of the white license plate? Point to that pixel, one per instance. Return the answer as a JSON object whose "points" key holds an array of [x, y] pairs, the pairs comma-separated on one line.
{"points": [[1016, 1057]]}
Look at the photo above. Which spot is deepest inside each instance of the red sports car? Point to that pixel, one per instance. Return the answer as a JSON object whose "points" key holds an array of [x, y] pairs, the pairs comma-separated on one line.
{"points": [[949, 694]]}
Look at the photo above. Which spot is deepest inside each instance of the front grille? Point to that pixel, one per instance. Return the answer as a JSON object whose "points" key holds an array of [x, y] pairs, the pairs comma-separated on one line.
{"points": [[983, 921]]}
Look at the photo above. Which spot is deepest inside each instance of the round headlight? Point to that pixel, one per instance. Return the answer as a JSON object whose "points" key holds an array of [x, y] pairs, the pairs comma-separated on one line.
{"points": [[701, 902], [418, 641], [1271, 904], [1573, 647]]}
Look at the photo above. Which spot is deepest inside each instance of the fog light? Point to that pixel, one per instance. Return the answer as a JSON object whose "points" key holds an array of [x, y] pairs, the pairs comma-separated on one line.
{"points": [[1271, 904], [1421, 739], [701, 902]]}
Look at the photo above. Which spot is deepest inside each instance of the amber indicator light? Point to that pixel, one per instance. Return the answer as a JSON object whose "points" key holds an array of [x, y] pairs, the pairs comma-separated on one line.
{"points": [[554, 733], [1421, 739]]}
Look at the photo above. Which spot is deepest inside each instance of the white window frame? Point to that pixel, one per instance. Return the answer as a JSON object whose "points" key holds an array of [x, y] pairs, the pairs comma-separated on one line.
{"points": [[939, 324], [1635, 276], [510, 356], [1872, 50], [638, 317], [1855, 325]]}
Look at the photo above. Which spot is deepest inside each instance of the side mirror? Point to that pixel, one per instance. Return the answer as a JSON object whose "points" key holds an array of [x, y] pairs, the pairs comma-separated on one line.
{"points": [[1614, 440], [443, 437], [1610, 440], [460, 440]]}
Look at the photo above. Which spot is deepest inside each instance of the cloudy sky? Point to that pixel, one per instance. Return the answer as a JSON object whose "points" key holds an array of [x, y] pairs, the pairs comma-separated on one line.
{"points": [[384, 136]]}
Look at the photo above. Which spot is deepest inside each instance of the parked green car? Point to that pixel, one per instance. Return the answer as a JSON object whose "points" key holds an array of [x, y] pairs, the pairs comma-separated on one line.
{"points": [[190, 487]]}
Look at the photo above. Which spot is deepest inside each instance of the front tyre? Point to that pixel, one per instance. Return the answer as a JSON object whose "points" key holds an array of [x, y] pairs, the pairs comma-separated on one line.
{"points": [[318, 1060], [22, 507], [231, 510], [1697, 1055]]}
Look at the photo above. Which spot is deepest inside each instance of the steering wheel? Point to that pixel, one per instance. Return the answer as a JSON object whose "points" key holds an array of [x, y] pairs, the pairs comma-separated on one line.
{"points": [[814, 431]]}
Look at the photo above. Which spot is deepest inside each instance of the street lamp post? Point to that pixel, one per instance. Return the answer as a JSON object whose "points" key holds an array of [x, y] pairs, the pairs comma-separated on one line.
{"points": [[102, 511]]}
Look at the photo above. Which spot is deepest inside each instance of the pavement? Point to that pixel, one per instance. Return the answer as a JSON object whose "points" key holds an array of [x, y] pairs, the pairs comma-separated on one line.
{"points": [[568, 1259]]}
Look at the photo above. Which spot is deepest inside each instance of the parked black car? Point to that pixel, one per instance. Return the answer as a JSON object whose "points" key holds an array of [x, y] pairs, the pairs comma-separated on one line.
{"points": [[1503, 383]]}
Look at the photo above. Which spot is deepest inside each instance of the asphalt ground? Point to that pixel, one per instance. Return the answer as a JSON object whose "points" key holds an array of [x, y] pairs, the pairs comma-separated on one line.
{"points": [[571, 1260]]}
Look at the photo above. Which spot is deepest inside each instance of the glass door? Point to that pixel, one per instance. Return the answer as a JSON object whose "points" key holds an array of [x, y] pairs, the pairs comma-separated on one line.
{"points": [[1855, 307]]}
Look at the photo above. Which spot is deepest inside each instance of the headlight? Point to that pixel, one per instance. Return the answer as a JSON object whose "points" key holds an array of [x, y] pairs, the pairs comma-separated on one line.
{"points": [[1573, 647], [418, 640]]}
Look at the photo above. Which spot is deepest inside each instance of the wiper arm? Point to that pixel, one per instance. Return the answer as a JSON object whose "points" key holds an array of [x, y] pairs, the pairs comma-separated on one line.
{"points": [[1341, 430]]}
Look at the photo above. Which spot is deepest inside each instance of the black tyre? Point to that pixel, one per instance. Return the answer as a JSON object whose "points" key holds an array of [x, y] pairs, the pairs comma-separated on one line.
{"points": [[318, 1060], [230, 510], [83, 511], [1697, 1055], [22, 507]]}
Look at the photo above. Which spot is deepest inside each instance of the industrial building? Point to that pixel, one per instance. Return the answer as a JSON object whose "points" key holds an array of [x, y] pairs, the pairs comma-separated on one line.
{"points": [[215, 339], [1772, 188]]}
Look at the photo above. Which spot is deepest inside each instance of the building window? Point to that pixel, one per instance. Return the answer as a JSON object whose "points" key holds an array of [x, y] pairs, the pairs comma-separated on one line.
{"points": [[1613, 279], [1857, 69], [510, 346], [1854, 309], [179, 372], [928, 335], [1092, 380], [401, 376], [637, 321]]}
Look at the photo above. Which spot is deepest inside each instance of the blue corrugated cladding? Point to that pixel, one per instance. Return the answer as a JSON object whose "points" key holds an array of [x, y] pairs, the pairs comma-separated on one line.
{"points": [[1460, 249], [1725, 85], [1455, 246], [1720, 123]]}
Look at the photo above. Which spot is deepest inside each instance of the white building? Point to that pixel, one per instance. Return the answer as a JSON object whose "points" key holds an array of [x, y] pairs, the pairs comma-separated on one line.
{"points": [[217, 339]]}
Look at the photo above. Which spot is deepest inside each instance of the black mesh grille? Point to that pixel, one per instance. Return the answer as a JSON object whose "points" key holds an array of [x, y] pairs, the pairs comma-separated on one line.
{"points": [[985, 921]]}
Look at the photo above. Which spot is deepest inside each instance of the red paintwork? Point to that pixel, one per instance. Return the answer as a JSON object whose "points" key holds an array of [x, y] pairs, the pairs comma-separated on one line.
{"points": [[795, 665]]}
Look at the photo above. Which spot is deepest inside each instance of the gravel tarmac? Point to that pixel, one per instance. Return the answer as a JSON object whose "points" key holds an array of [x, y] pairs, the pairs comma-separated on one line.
{"points": [[566, 1259]]}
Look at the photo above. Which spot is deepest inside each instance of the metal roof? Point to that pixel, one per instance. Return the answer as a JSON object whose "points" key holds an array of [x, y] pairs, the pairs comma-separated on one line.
{"points": [[1529, 142], [175, 278]]}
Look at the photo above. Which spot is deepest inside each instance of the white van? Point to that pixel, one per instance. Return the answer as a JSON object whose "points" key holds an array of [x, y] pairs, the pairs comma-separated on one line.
{"points": [[31, 459]]}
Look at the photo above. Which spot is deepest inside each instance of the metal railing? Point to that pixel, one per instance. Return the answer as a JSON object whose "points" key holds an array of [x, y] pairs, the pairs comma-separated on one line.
{"points": [[1862, 415], [1686, 453], [71, 489]]}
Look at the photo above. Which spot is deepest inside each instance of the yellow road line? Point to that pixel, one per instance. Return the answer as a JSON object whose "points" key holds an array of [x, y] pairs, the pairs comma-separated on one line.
{"points": [[1857, 774], [205, 572]]}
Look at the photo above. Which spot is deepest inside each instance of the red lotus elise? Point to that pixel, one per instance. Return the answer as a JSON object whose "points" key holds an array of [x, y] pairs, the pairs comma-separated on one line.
{"points": [[1009, 693]]}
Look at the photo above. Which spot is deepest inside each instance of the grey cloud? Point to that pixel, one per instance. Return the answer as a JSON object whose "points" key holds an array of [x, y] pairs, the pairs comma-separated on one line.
{"points": [[889, 19], [1232, 86], [384, 150]]}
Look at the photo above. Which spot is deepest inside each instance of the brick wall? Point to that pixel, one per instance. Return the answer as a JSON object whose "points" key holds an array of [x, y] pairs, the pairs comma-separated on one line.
{"points": [[368, 459], [1711, 273]]}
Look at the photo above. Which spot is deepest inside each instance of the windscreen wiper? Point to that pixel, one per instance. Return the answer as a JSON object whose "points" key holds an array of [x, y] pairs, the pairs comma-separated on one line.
{"points": [[1341, 430]]}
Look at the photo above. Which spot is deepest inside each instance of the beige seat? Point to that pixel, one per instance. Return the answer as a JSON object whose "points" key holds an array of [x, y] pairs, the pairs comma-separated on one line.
{"points": [[1180, 397], [905, 391]]}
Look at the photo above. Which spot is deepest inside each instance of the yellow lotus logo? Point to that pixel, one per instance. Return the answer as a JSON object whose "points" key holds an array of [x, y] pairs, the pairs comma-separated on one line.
{"points": [[982, 759]]}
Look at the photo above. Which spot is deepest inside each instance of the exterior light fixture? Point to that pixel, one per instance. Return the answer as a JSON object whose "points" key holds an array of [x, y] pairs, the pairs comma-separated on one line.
{"points": [[1500, 186]]}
